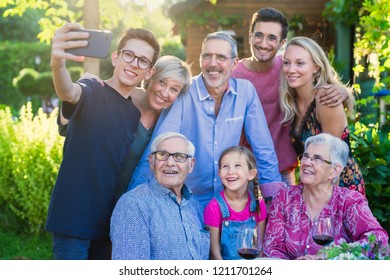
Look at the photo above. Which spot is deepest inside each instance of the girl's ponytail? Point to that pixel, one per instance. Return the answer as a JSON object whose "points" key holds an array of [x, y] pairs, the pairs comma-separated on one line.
{"points": [[257, 193]]}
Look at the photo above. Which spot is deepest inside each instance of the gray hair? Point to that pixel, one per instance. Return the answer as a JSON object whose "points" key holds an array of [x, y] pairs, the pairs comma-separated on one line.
{"points": [[339, 150], [221, 35], [167, 135], [171, 67]]}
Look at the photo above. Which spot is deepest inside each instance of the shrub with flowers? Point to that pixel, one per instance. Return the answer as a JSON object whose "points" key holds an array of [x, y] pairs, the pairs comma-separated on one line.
{"points": [[369, 250]]}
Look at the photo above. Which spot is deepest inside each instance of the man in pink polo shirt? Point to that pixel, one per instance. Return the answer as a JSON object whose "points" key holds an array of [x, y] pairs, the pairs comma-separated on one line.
{"points": [[267, 35]]}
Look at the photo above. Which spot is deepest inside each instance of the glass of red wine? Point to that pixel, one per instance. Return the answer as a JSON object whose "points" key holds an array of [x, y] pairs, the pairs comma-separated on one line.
{"points": [[249, 242], [323, 232]]}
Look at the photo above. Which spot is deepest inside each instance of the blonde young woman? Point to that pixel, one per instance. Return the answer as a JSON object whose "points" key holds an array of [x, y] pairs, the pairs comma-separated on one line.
{"points": [[306, 69]]}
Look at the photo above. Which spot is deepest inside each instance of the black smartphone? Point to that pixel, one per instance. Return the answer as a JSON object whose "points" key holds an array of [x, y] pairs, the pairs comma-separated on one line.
{"points": [[98, 44]]}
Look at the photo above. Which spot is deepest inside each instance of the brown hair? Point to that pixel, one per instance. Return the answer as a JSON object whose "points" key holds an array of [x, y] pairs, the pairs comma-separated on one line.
{"points": [[251, 161], [270, 15], [144, 35]]}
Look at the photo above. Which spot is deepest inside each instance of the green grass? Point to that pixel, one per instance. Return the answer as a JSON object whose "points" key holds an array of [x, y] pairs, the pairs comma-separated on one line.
{"points": [[17, 246]]}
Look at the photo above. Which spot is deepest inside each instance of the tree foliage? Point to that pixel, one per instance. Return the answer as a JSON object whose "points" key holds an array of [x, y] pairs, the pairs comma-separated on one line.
{"points": [[372, 45], [373, 42], [56, 14], [23, 28], [114, 15]]}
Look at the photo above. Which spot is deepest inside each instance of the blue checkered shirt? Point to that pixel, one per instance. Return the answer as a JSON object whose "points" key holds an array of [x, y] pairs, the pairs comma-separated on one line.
{"points": [[148, 223]]}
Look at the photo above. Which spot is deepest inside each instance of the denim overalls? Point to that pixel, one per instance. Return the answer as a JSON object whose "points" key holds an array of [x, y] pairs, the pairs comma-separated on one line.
{"points": [[230, 229]]}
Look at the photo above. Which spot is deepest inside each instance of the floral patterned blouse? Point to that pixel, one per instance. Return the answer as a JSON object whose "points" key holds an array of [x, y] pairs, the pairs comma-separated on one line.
{"points": [[350, 177], [288, 230]]}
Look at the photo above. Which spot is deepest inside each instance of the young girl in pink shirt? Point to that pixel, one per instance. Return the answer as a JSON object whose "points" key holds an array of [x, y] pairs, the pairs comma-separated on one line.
{"points": [[235, 206]]}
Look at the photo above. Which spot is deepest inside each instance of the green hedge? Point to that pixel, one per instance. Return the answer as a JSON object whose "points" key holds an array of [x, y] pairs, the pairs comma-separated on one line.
{"points": [[30, 156], [370, 147], [14, 56]]}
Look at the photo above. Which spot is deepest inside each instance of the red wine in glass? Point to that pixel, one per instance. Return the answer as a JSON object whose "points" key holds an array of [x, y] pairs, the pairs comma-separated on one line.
{"points": [[323, 232], [323, 240], [249, 242], [248, 253]]}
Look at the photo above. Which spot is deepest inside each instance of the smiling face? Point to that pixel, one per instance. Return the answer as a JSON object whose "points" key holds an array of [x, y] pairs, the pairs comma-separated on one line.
{"points": [[234, 171], [169, 173], [265, 40], [129, 74], [161, 94], [298, 67], [312, 173], [217, 73]]}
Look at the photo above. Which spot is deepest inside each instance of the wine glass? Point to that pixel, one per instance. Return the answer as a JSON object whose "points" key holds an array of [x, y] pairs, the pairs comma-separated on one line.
{"points": [[249, 242], [323, 232]]}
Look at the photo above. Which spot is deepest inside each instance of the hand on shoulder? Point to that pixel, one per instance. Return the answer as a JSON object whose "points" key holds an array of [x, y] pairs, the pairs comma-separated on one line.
{"points": [[332, 95]]}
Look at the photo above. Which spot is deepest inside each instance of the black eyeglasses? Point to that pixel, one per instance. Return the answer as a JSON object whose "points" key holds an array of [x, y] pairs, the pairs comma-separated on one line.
{"points": [[316, 159], [219, 57], [142, 62], [164, 156]]}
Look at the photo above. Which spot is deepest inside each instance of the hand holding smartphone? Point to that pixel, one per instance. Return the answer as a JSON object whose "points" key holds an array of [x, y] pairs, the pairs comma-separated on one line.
{"points": [[98, 44]]}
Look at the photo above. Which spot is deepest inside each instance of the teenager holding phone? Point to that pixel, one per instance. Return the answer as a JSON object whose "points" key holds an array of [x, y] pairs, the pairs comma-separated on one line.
{"points": [[104, 120]]}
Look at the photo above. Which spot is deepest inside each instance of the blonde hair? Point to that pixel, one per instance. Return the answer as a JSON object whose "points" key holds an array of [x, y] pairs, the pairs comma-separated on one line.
{"points": [[171, 67], [325, 75]]}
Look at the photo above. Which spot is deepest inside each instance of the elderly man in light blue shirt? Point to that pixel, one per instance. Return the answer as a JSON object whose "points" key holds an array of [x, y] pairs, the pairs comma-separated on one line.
{"points": [[160, 220], [213, 115]]}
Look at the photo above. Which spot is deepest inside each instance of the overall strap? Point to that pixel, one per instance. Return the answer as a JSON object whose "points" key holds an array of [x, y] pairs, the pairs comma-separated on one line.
{"points": [[223, 206]]}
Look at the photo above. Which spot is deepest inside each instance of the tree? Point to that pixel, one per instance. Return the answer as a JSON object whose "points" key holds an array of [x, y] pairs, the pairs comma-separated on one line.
{"points": [[94, 14], [372, 21], [57, 13], [373, 42], [91, 21], [23, 28]]}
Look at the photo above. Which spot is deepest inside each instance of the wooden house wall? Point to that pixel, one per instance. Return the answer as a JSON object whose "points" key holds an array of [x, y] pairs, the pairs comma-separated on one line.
{"points": [[315, 25]]}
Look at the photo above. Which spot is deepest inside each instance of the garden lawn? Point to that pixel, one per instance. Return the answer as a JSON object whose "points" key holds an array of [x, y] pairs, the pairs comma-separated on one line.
{"points": [[23, 246]]}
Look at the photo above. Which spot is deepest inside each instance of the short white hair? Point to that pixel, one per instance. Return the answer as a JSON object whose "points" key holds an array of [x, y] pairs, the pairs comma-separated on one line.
{"points": [[167, 135], [339, 150]]}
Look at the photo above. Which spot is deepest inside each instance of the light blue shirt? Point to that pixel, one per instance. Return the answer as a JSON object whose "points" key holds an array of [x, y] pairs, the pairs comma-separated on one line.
{"points": [[149, 224], [193, 115]]}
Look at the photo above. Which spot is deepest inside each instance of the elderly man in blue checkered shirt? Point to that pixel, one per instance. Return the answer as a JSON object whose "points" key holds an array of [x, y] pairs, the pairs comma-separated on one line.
{"points": [[160, 220]]}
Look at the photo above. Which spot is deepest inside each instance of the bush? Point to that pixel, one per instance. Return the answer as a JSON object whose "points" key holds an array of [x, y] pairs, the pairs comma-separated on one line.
{"points": [[26, 81], [371, 148], [15, 56], [30, 156], [173, 46]]}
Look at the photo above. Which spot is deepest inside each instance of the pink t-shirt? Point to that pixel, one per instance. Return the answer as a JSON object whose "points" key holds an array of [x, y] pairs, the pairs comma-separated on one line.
{"points": [[213, 214], [267, 86]]}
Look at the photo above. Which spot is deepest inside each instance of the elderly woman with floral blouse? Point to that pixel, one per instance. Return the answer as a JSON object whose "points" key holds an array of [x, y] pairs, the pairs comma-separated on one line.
{"points": [[291, 215]]}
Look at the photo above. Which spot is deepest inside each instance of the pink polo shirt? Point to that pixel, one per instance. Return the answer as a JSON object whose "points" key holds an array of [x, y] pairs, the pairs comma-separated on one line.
{"points": [[267, 86]]}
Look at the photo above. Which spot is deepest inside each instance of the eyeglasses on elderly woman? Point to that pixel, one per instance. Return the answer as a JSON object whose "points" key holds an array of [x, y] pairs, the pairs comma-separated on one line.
{"points": [[316, 159]]}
